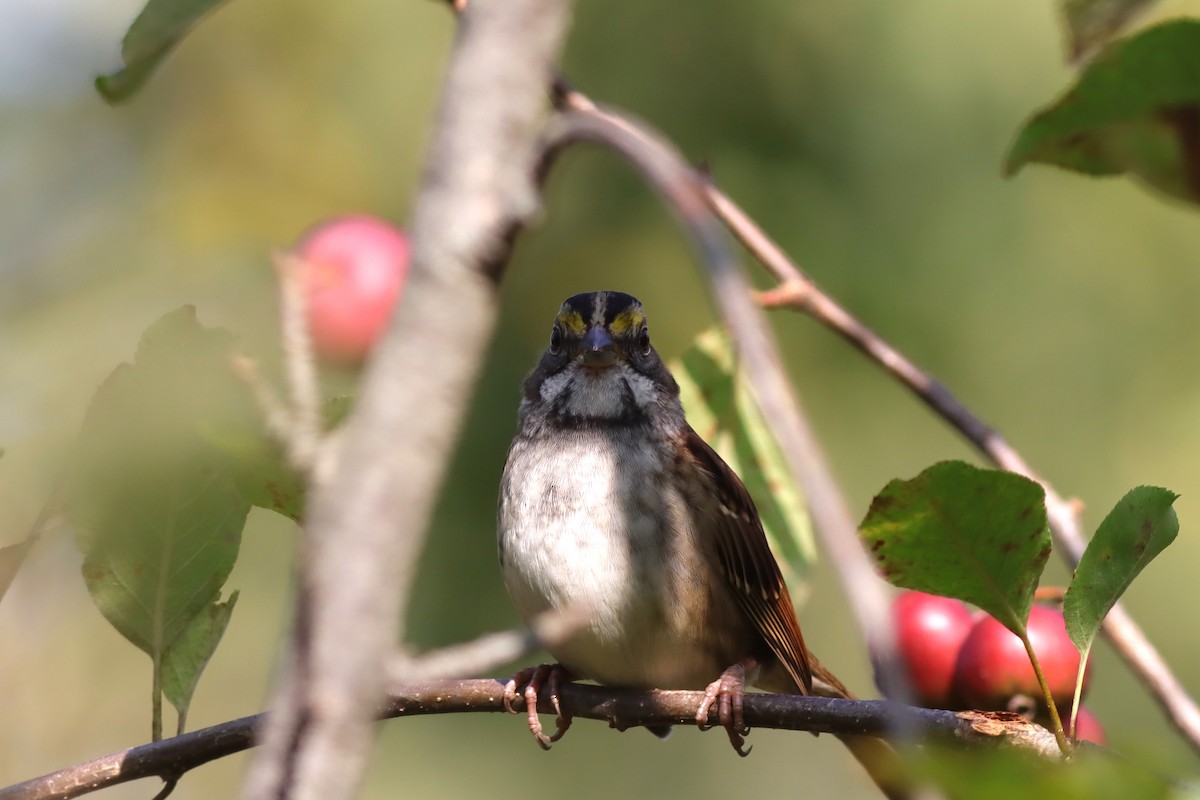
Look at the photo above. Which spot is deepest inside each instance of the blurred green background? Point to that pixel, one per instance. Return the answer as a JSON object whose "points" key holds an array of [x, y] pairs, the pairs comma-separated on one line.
{"points": [[867, 137]]}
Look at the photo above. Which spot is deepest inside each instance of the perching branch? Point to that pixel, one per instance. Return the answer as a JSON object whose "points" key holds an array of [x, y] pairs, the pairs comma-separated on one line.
{"points": [[621, 708], [367, 519]]}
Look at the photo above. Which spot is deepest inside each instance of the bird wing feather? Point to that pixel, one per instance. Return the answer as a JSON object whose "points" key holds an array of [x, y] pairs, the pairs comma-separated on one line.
{"points": [[748, 564]]}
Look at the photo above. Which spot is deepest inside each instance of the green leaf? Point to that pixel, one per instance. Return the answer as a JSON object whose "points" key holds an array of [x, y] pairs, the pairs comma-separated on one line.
{"points": [[720, 407], [189, 654], [263, 474], [1138, 528], [998, 773], [158, 511], [1091, 23], [157, 29], [1134, 110], [159, 551], [960, 531]]}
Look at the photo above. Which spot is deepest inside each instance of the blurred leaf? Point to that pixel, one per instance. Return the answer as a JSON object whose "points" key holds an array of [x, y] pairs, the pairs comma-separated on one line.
{"points": [[335, 410], [1002, 774], [13, 556], [721, 409], [11, 559], [158, 510], [1091, 23], [264, 477], [157, 29], [1138, 528], [1135, 109], [960, 531], [160, 550], [189, 654]]}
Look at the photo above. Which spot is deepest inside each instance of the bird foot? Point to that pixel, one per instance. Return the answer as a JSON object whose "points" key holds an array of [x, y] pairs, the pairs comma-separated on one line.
{"points": [[727, 692], [533, 678]]}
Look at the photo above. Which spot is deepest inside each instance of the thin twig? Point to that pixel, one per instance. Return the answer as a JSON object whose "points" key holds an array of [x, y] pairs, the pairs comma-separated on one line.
{"points": [[489, 651], [300, 363], [167, 790], [621, 708], [276, 415], [294, 423]]}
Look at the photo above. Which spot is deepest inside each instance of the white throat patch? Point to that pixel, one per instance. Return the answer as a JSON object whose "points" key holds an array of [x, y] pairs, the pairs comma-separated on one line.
{"points": [[602, 394]]}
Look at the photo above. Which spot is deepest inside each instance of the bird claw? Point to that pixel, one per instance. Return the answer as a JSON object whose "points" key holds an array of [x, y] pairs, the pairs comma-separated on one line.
{"points": [[727, 692], [533, 678]]}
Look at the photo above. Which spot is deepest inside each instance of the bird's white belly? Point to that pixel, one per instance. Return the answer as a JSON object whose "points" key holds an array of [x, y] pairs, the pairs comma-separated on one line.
{"points": [[582, 528]]}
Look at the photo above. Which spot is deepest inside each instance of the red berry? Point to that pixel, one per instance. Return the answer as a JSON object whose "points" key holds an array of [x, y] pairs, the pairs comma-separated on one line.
{"points": [[352, 270], [993, 667], [929, 631], [1088, 728]]}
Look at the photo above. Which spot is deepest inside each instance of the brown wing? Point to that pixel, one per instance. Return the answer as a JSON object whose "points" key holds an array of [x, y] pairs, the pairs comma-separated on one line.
{"points": [[748, 564]]}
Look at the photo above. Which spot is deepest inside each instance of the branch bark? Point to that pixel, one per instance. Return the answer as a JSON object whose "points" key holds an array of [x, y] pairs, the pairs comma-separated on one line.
{"points": [[367, 518], [621, 708]]}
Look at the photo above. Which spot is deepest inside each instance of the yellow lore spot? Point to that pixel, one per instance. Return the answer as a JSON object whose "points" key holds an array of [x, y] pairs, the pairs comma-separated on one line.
{"points": [[572, 322], [627, 321]]}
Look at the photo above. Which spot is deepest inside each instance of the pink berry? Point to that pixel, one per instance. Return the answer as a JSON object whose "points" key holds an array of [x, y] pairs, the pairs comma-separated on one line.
{"points": [[1088, 728], [929, 631], [352, 271], [993, 667]]}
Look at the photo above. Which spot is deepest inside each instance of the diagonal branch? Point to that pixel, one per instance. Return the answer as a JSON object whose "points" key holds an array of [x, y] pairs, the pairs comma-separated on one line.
{"points": [[797, 290], [685, 192]]}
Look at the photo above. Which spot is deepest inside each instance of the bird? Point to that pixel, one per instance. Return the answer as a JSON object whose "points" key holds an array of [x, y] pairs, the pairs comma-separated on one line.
{"points": [[611, 502]]}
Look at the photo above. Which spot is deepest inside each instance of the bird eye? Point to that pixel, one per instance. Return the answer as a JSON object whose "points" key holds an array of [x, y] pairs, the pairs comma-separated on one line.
{"points": [[644, 342], [556, 341]]}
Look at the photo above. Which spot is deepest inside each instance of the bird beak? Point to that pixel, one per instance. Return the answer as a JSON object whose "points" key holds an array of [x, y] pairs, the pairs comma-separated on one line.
{"points": [[597, 349]]}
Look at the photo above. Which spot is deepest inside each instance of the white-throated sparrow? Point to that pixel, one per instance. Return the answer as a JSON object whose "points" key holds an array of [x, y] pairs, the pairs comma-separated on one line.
{"points": [[611, 501]]}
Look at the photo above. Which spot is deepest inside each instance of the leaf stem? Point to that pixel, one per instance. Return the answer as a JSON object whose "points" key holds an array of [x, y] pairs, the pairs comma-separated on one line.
{"points": [[1059, 735], [156, 708], [1083, 662]]}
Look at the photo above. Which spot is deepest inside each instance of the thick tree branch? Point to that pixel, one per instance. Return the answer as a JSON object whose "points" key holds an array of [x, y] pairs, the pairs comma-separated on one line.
{"points": [[621, 708], [366, 521]]}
